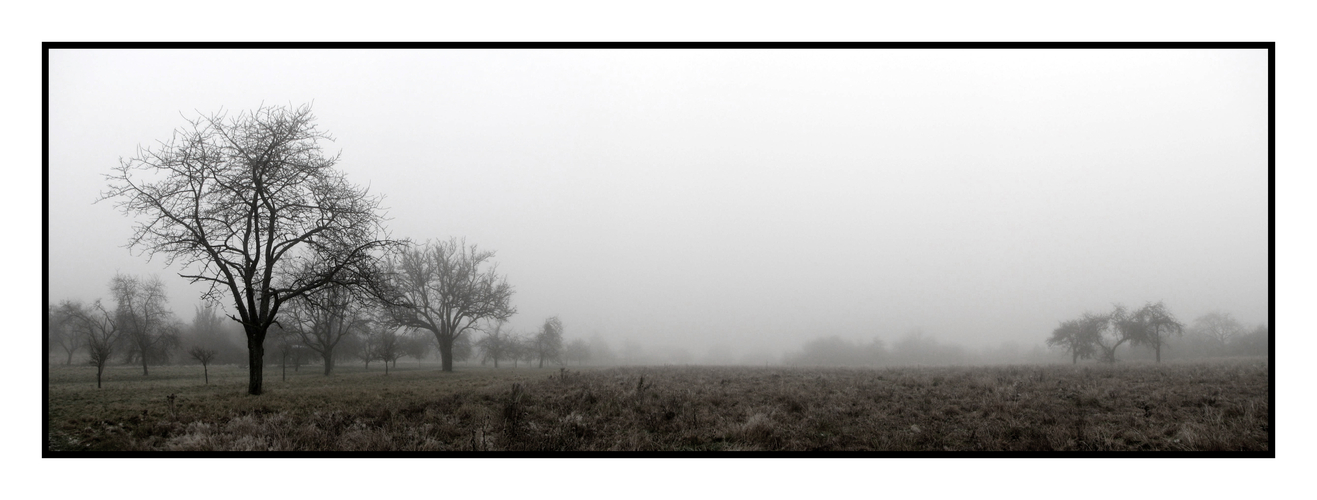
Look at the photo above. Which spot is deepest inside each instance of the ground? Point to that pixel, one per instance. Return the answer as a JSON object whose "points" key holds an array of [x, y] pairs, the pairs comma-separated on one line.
{"points": [[1220, 405]]}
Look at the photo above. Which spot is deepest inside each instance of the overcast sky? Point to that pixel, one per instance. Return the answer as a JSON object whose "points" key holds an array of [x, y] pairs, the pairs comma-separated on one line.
{"points": [[753, 198]]}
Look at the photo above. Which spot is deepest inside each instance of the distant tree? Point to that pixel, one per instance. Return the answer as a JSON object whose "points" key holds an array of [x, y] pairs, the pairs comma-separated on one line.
{"points": [[388, 347], [577, 352], [875, 352], [1110, 335], [204, 356], [1255, 342], [520, 349], [463, 348], [548, 341], [1150, 326], [417, 346], [1079, 337], [287, 346], [61, 332], [600, 351], [365, 346], [496, 344], [144, 319], [250, 207], [323, 319], [445, 288], [827, 351], [917, 348], [1218, 326], [208, 329], [100, 330]]}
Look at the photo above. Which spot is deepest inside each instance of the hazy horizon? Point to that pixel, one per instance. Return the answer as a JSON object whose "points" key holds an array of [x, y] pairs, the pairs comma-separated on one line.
{"points": [[756, 199]]}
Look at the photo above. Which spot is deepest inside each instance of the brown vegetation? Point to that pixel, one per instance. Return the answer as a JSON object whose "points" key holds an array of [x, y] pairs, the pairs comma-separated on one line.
{"points": [[1131, 407]]}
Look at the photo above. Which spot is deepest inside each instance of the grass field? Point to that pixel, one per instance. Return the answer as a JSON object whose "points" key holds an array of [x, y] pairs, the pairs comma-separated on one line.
{"points": [[1214, 406]]}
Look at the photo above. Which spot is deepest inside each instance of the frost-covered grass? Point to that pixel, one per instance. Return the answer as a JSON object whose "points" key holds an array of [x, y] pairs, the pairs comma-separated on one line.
{"points": [[1213, 406]]}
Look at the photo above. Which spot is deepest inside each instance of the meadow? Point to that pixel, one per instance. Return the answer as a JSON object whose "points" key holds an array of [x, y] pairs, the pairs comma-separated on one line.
{"points": [[1219, 405]]}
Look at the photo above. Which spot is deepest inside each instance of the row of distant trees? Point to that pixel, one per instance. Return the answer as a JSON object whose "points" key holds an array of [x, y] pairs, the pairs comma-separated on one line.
{"points": [[914, 348], [324, 326], [1150, 332], [140, 327], [1154, 328]]}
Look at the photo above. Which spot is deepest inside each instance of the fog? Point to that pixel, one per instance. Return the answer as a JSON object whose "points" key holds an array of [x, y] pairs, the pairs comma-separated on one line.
{"points": [[735, 205]]}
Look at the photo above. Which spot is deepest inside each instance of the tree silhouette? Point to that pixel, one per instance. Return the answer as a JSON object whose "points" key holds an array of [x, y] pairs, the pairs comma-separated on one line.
{"points": [[252, 208], [445, 288]]}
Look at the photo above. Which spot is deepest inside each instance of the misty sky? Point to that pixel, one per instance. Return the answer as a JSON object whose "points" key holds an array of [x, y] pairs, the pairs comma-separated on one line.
{"points": [[753, 198]]}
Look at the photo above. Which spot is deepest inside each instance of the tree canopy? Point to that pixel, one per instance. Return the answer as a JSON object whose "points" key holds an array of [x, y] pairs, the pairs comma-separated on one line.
{"points": [[250, 206], [445, 287]]}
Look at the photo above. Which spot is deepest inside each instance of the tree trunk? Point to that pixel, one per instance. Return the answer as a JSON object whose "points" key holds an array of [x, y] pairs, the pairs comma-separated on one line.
{"points": [[1074, 358], [69, 361], [541, 361], [99, 368], [329, 361], [386, 367], [446, 352], [255, 360], [144, 362], [1159, 353], [205, 371]]}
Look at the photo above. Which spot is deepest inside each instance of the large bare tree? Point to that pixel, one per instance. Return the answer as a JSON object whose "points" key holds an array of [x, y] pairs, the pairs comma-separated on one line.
{"points": [[250, 206], [143, 318], [445, 287]]}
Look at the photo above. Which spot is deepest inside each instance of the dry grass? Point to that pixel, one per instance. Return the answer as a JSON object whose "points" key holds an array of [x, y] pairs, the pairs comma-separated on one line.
{"points": [[1221, 406]]}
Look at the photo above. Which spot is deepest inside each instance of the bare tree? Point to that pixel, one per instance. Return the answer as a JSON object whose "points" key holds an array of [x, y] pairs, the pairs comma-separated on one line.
{"points": [[495, 344], [1218, 326], [323, 319], [143, 319], [577, 351], [1077, 337], [1150, 326], [61, 333], [286, 344], [204, 356], [251, 207], [463, 348], [548, 341], [417, 346], [1108, 330], [522, 349], [389, 347], [363, 345], [100, 330], [441, 287], [1091, 335]]}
